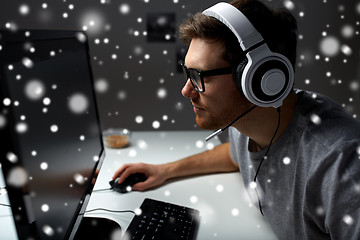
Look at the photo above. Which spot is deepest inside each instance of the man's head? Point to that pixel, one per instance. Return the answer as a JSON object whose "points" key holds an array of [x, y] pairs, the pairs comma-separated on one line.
{"points": [[277, 26], [213, 46]]}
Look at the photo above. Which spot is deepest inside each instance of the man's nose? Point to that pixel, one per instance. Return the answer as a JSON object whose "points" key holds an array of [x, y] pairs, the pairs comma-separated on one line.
{"points": [[188, 90]]}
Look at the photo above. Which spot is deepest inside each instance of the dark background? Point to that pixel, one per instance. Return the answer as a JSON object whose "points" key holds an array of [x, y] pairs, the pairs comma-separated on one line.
{"points": [[134, 52]]}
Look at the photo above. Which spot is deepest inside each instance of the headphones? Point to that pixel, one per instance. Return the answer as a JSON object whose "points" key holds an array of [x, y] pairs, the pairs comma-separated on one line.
{"points": [[265, 77]]}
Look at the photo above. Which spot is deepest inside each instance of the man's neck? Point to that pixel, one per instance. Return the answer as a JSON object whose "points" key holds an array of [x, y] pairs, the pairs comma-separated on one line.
{"points": [[260, 127]]}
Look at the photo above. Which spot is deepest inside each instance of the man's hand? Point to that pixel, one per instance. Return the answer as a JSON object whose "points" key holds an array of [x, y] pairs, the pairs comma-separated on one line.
{"points": [[155, 174]]}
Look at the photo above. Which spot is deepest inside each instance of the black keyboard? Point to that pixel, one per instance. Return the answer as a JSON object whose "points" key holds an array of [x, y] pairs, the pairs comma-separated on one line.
{"points": [[161, 220]]}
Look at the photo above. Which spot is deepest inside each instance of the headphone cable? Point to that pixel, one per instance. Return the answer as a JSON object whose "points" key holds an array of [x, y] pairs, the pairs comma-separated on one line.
{"points": [[265, 157]]}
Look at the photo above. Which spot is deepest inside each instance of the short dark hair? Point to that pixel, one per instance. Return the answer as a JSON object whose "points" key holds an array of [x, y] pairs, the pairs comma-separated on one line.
{"points": [[278, 27]]}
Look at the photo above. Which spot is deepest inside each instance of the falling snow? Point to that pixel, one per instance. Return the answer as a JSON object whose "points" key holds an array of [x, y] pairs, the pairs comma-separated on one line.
{"points": [[101, 85], [79, 178], [286, 160], [35, 89], [21, 127], [156, 124], [142, 144], [235, 212], [194, 199], [54, 128], [315, 119], [199, 144], [219, 188], [78, 103], [138, 211], [11, 157], [49, 231], [135, 68], [17, 177], [44, 166], [139, 119], [330, 46], [28, 62], [348, 219], [45, 208]]}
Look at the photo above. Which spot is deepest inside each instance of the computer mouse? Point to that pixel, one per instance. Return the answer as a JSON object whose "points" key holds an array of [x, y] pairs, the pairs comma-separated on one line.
{"points": [[125, 186]]}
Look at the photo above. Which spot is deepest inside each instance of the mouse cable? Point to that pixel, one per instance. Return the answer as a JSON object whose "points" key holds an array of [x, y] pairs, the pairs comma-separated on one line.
{"points": [[102, 190], [5, 205], [108, 210]]}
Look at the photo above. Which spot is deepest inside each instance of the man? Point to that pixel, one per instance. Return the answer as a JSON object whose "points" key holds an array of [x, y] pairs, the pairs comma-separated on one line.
{"points": [[300, 161]]}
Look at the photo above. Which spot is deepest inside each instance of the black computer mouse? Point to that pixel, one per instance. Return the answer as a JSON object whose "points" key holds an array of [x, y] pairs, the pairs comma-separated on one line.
{"points": [[125, 186]]}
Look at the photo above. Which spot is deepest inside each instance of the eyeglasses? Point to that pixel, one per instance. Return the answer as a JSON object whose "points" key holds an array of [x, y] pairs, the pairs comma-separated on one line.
{"points": [[197, 77]]}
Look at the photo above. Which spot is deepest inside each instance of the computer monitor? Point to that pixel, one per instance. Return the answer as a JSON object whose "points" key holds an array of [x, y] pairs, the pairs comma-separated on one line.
{"points": [[51, 143]]}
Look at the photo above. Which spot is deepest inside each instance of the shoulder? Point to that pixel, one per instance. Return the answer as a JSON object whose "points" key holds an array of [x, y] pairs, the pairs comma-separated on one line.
{"points": [[329, 135], [326, 121]]}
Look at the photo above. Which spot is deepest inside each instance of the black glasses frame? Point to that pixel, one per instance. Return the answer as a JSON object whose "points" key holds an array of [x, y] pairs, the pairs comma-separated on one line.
{"points": [[190, 72]]}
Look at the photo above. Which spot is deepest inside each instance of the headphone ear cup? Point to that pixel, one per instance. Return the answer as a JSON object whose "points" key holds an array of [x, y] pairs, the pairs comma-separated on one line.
{"points": [[239, 72]]}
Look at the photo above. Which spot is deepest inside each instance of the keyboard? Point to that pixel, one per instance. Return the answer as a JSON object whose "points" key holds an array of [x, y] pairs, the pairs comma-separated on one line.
{"points": [[161, 220]]}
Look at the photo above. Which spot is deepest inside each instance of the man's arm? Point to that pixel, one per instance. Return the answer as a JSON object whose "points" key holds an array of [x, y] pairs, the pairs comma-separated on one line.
{"points": [[215, 160]]}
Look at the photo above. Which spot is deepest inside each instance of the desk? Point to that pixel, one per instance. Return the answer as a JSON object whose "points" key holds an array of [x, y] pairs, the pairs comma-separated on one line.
{"points": [[225, 209], [7, 225]]}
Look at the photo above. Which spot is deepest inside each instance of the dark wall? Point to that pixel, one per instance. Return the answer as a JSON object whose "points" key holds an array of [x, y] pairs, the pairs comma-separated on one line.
{"points": [[135, 52]]}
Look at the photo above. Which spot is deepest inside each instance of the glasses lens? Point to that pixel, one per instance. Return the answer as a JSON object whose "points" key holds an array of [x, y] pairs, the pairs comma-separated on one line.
{"points": [[185, 71], [196, 79]]}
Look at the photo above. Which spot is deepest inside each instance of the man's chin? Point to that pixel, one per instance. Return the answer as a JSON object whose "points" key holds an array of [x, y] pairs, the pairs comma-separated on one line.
{"points": [[207, 125]]}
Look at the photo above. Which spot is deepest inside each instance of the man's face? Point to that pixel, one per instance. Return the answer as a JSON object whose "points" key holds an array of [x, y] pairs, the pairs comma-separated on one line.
{"points": [[221, 102]]}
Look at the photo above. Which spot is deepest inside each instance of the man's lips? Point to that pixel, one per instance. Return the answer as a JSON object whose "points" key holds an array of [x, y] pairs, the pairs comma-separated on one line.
{"points": [[197, 108]]}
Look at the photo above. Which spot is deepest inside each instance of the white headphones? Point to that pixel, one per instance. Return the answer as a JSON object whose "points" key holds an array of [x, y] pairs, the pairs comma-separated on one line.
{"points": [[265, 77]]}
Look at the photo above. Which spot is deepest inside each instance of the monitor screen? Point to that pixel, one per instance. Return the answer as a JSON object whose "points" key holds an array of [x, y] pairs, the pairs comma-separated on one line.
{"points": [[50, 130]]}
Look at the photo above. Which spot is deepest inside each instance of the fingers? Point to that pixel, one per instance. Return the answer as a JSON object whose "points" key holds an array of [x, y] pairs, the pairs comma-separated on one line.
{"points": [[142, 186], [128, 169], [119, 171]]}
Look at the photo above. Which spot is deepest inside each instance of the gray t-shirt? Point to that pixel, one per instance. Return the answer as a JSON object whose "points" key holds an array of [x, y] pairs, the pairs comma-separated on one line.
{"points": [[309, 184]]}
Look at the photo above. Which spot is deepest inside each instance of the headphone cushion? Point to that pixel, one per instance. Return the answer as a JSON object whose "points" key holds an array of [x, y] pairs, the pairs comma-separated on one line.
{"points": [[239, 72], [270, 80]]}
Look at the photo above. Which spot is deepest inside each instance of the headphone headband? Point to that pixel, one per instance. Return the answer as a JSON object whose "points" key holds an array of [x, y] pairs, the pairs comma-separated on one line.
{"points": [[237, 22]]}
